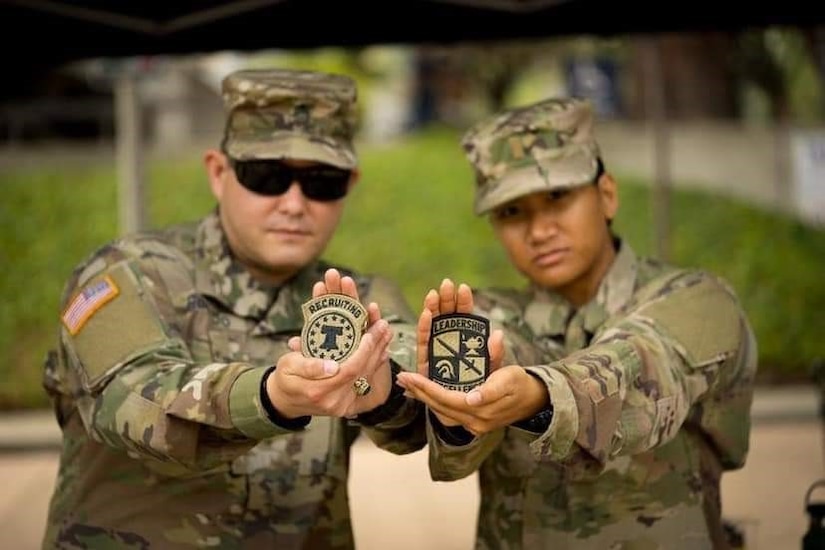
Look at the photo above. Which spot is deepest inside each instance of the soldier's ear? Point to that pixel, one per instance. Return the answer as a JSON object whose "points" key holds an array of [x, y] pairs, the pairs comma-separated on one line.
{"points": [[608, 195], [355, 175], [217, 168]]}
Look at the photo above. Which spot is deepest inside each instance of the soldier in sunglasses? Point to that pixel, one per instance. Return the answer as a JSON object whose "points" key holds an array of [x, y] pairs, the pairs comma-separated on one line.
{"points": [[190, 415]]}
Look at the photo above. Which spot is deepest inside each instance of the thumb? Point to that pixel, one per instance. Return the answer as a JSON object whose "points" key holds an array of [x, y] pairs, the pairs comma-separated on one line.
{"points": [[307, 368], [495, 345], [498, 385], [321, 369], [425, 321], [474, 398]]}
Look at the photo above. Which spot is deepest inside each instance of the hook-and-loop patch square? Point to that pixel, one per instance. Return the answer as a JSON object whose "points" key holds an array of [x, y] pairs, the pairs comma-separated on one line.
{"points": [[88, 301]]}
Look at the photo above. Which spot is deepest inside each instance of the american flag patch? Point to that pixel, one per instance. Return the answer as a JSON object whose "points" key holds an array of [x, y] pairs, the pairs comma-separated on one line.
{"points": [[89, 300]]}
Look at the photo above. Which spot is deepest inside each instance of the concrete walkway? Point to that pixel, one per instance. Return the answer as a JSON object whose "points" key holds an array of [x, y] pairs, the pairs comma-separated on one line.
{"points": [[394, 504]]}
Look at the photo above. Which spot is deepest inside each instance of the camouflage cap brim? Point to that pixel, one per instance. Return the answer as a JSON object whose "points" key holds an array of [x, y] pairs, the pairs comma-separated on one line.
{"points": [[566, 172], [338, 153]]}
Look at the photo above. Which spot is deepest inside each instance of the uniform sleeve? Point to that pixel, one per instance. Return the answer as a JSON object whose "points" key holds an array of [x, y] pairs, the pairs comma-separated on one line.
{"points": [[133, 378], [452, 460], [403, 431], [684, 353]]}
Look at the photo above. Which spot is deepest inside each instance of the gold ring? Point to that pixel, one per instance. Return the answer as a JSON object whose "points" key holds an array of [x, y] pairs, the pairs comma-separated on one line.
{"points": [[362, 387]]}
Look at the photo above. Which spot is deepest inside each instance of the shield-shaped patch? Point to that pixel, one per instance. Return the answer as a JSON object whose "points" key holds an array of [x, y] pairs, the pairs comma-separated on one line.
{"points": [[458, 354]]}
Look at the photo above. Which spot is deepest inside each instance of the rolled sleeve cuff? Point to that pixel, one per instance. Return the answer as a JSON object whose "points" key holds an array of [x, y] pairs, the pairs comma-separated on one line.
{"points": [[451, 462], [556, 442], [246, 409], [456, 436], [448, 446]]}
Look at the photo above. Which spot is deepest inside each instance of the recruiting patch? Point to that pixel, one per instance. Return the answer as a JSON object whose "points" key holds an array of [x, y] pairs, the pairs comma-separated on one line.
{"points": [[87, 302], [333, 325], [458, 354]]}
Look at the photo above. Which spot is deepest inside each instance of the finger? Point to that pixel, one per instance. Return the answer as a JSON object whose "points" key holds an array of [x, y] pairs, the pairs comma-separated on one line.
{"points": [[447, 296], [378, 358], [406, 379], [319, 289], [349, 287], [332, 279], [307, 368], [447, 415], [464, 299], [369, 351], [355, 364], [450, 406], [425, 388], [493, 391], [373, 313], [367, 362], [503, 398], [474, 398], [294, 343], [495, 345], [425, 321], [412, 383], [431, 301]]}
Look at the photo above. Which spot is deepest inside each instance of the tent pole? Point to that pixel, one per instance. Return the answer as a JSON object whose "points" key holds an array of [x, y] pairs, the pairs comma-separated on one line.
{"points": [[656, 109], [129, 154]]}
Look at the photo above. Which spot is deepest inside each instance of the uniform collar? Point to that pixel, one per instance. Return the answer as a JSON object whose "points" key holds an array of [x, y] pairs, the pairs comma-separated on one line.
{"points": [[223, 278], [549, 313]]}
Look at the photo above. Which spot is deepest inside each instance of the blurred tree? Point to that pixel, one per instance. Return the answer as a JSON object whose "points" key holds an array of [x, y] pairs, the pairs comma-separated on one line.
{"points": [[710, 74], [698, 78], [455, 83], [761, 65], [815, 39], [704, 74], [788, 66], [495, 67]]}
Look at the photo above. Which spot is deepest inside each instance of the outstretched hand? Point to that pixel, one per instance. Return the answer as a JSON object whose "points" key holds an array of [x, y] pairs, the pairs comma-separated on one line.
{"points": [[508, 395], [301, 385]]}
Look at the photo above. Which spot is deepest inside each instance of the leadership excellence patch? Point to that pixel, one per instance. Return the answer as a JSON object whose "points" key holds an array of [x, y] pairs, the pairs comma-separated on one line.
{"points": [[458, 354]]}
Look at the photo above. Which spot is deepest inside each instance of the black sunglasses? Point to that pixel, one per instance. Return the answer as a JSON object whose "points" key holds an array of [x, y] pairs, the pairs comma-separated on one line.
{"points": [[320, 182]]}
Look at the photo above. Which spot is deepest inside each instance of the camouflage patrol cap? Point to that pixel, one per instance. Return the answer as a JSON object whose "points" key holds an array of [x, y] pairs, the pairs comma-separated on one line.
{"points": [[539, 147], [283, 113]]}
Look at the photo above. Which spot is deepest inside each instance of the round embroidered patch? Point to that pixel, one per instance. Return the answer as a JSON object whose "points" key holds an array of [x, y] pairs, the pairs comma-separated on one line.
{"points": [[333, 325]]}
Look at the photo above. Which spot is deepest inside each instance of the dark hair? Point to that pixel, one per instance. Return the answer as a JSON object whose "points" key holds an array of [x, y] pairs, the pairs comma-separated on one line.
{"points": [[599, 170]]}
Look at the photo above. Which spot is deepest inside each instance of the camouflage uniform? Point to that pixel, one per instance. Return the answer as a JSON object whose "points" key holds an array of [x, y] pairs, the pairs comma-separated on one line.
{"points": [[650, 382], [157, 386]]}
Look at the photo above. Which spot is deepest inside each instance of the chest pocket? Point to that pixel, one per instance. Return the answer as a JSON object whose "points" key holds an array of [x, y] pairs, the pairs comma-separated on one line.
{"points": [[305, 453], [287, 480], [231, 339]]}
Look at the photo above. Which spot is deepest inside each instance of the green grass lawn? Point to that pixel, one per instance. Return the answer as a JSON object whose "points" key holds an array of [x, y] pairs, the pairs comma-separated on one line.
{"points": [[409, 218]]}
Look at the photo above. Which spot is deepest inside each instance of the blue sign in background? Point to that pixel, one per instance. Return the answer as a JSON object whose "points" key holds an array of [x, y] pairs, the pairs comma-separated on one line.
{"points": [[597, 80]]}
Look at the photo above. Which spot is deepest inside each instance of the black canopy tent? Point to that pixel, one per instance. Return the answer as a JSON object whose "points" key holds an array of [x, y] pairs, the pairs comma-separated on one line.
{"points": [[71, 30]]}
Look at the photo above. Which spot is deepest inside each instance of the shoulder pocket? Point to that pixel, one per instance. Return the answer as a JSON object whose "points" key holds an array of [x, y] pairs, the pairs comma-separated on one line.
{"points": [[703, 318], [109, 322]]}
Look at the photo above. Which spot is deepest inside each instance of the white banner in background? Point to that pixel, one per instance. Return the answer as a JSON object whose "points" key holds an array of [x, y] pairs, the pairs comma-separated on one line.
{"points": [[808, 151]]}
